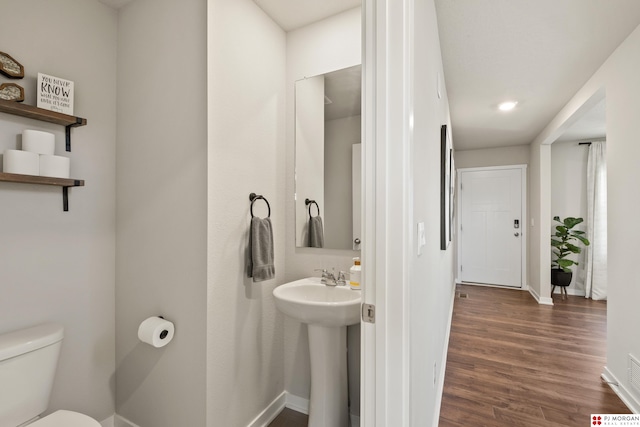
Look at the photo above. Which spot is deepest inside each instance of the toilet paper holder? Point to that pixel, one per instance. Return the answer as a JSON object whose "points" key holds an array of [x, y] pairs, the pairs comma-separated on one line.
{"points": [[156, 331], [164, 333]]}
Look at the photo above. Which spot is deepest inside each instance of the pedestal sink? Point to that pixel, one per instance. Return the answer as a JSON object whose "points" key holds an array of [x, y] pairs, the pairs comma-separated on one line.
{"points": [[327, 310]]}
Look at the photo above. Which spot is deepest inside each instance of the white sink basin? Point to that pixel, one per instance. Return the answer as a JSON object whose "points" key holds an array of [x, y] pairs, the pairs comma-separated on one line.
{"points": [[327, 311], [309, 301]]}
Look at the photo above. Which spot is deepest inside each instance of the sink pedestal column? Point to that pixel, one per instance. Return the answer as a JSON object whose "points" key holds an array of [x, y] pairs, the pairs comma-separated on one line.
{"points": [[329, 403]]}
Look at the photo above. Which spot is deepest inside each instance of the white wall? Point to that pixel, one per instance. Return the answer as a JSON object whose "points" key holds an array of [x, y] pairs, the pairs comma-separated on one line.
{"points": [[328, 45], [569, 196], [618, 78], [430, 275], [246, 119], [540, 222], [161, 264], [340, 135], [59, 266], [501, 156]]}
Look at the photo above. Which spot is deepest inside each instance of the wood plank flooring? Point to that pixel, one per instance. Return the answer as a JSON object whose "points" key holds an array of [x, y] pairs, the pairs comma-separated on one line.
{"points": [[513, 362], [290, 418]]}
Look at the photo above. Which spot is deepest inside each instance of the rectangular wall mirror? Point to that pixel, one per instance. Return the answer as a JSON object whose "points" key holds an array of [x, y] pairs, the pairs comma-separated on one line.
{"points": [[328, 159]]}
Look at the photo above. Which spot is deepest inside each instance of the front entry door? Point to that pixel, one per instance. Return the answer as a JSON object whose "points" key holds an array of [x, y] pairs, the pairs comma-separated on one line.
{"points": [[491, 226]]}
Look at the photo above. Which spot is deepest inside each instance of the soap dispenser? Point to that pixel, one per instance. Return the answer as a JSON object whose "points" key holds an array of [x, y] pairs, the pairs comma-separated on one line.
{"points": [[354, 274]]}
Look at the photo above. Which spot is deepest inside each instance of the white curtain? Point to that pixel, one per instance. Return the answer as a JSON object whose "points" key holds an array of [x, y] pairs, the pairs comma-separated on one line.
{"points": [[596, 253]]}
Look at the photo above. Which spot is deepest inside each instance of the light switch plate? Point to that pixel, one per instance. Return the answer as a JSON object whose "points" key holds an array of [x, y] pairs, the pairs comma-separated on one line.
{"points": [[422, 239]]}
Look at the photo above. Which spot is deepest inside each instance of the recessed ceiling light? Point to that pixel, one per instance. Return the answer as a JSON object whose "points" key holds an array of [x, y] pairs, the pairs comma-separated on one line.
{"points": [[508, 106]]}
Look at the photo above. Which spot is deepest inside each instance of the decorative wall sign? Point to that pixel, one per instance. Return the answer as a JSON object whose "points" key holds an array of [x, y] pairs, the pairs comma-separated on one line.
{"points": [[11, 92], [55, 94], [10, 67]]}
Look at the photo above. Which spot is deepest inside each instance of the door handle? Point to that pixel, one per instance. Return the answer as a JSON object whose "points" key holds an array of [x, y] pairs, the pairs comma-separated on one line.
{"points": [[356, 241], [516, 234]]}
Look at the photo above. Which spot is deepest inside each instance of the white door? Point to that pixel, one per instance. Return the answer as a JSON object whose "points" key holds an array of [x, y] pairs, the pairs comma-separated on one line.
{"points": [[491, 226]]}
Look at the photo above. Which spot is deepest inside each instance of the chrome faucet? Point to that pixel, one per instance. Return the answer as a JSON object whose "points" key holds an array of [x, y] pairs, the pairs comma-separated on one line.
{"points": [[330, 279], [341, 280]]}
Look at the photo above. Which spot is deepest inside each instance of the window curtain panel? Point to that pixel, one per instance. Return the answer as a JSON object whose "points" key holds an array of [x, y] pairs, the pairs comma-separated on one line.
{"points": [[596, 252]]}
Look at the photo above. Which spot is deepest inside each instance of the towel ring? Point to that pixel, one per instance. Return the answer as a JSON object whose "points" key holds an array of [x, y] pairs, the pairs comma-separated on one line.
{"points": [[310, 202], [253, 197]]}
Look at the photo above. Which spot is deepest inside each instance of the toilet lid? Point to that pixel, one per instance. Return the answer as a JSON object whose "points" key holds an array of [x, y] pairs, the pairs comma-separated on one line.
{"points": [[66, 419]]}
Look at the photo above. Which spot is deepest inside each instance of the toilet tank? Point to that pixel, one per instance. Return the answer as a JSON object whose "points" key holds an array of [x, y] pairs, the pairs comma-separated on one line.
{"points": [[28, 360]]}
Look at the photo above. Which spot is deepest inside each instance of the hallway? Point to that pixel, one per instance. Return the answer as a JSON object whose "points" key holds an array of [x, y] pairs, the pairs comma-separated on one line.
{"points": [[512, 362]]}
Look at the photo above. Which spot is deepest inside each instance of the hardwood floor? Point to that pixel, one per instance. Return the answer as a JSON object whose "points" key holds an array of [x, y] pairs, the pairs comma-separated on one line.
{"points": [[290, 418], [513, 362]]}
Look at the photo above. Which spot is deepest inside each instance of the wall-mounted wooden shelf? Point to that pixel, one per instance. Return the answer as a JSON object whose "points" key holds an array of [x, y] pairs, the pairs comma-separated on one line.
{"points": [[19, 109], [65, 183], [31, 112]]}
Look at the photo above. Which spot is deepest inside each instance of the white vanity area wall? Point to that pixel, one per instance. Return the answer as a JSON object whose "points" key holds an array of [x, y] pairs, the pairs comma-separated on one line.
{"points": [[246, 87], [328, 45]]}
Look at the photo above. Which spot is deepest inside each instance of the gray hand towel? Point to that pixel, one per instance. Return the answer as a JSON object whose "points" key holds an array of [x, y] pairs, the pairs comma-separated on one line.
{"points": [[261, 266], [316, 232]]}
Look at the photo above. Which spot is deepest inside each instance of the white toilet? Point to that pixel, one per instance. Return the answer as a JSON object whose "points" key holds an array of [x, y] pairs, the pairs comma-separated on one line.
{"points": [[28, 360]]}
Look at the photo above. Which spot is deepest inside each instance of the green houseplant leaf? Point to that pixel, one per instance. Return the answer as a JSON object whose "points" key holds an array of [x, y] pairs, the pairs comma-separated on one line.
{"points": [[562, 242]]}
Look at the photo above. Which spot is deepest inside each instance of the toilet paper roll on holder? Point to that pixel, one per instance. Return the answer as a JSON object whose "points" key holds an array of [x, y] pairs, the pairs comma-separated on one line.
{"points": [[156, 331]]}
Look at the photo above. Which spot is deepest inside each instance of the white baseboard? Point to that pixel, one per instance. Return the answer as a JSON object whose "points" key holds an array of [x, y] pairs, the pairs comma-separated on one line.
{"points": [[120, 421], [297, 403], [300, 404], [443, 366], [627, 398], [109, 422], [541, 300], [285, 399], [270, 412]]}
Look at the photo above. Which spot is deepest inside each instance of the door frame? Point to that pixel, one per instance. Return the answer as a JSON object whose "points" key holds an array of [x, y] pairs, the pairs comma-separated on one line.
{"points": [[387, 130], [524, 221]]}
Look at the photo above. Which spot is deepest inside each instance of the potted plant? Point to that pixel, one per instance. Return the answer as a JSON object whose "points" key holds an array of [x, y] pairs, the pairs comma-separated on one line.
{"points": [[561, 273]]}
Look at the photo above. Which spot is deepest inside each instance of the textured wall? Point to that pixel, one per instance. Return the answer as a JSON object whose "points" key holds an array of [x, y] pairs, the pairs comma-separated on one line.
{"points": [[59, 266], [502, 156], [429, 275], [623, 151], [161, 211], [245, 361]]}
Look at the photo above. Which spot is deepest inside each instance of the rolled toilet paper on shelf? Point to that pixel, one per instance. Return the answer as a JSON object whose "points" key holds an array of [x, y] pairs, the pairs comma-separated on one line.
{"points": [[156, 331], [54, 166], [21, 162], [36, 141]]}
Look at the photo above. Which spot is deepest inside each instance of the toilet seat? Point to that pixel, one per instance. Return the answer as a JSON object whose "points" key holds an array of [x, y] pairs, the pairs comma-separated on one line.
{"points": [[64, 418]]}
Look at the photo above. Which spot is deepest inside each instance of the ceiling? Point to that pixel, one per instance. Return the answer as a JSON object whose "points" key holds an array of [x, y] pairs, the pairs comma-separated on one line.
{"points": [[293, 14], [288, 14], [592, 125], [539, 53], [343, 89]]}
